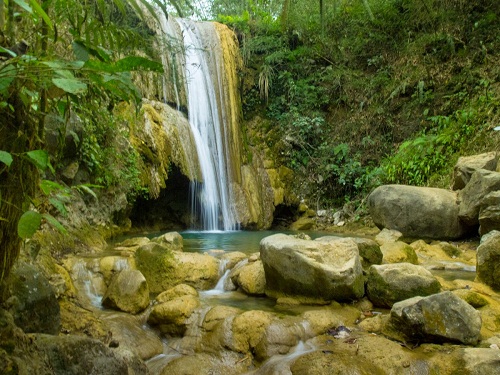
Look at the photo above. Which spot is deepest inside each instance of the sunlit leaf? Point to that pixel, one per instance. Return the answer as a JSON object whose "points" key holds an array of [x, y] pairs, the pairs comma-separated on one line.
{"points": [[28, 224], [8, 51], [23, 4], [59, 205], [41, 13], [131, 63], [71, 85], [48, 186], [55, 223], [39, 157], [87, 190], [6, 158]]}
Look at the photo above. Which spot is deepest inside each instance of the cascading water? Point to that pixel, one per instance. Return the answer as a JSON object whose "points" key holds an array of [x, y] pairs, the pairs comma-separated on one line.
{"points": [[211, 200]]}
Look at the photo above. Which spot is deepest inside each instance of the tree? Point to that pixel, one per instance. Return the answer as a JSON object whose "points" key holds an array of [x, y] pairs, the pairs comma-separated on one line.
{"points": [[56, 54]]}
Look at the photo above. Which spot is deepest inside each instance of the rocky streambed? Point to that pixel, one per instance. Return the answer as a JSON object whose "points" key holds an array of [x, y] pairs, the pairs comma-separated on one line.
{"points": [[329, 305]]}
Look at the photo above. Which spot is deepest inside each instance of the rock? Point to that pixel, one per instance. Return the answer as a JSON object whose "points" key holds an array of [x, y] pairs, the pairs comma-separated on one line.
{"points": [[467, 165], [31, 300], [437, 216], [489, 213], [232, 258], [248, 330], [303, 223], [391, 283], [170, 317], [250, 278], [480, 185], [128, 292], [482, 361], [165, 268], [329, 270], [224, 362], [441, 317], [369, 250], [217, 314], [111, 265], [488, 260], [398, 252], [388, 236], [175, 292], [171, 239]]}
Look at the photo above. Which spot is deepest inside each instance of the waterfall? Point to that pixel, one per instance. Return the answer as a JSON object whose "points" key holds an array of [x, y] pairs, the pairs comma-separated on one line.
{"points": [[211, 199]]}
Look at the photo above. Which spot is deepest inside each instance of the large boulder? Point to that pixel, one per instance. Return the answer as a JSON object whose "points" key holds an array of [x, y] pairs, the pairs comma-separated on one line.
{"points": [[31, 300], [442, 317], [315, 270], [471, 196], [369, 250], [488, 260], [417, 212], [164, 267], [467, 165], [489, 213], [171, 316], [128, 292], [390, 283], [482, 361], [398, 252]]}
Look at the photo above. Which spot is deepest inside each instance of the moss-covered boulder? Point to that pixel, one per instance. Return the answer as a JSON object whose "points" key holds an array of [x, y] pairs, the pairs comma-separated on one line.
{"points": [[250, 278], [128, 292], [488, 260], [171, 317], [442, 317], [163, 267], [390, 283], [398, 252]]}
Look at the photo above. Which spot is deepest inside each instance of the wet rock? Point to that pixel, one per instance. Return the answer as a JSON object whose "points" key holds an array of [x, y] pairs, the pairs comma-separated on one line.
{"points": [[248, 330], [398, 252], [175, 292], [128, 292], [279, 337], [467, 165], [232, 258], [31, 300], [369, 250], [482, 361], [303, 223], [488, 259], [171, 317], [437, 216], [250, 278], [390, 283], [171, 239], [217, 314], [165, 268], [111, 265], [224, 362], [388, 236], [480, 185], [329, 270], [441, 317]]}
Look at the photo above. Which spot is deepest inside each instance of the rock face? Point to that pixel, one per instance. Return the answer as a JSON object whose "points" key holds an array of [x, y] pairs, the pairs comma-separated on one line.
{"points": [[441, 317], [164, 267], [32, 300], [489, 213], [329, 270], [391, 283], [480, 185], [128, 291], [467, 165], [488, 260], [250, 278], [395, 207]]}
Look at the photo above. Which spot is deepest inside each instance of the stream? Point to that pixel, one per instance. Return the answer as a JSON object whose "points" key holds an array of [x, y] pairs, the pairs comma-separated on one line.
{"points": [[133, 330]]}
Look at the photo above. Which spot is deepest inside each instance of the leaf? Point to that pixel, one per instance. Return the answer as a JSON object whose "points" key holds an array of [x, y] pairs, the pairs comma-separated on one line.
{"points": [[48, 186], [55, 223], [39, 157], [86, 189], [24, 5], [71, 85], [59, 205], [6, 158], [131, 63], [41, 13], [8, 51], [7, 75], [28, 224], [81, 52]]}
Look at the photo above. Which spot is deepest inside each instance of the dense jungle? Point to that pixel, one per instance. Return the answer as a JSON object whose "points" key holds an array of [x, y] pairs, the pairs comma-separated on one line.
{"points": [[331, 100]]}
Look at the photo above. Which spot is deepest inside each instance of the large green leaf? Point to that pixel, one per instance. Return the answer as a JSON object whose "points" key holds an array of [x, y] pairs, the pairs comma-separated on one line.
{"points": [[7, 75], [131, 63], [55, 223], [41, 13], [8, 51], [28, 224], [39, 157], [71, 85], [58, 203], [6, 158], [48, 186], [23, 4]]}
